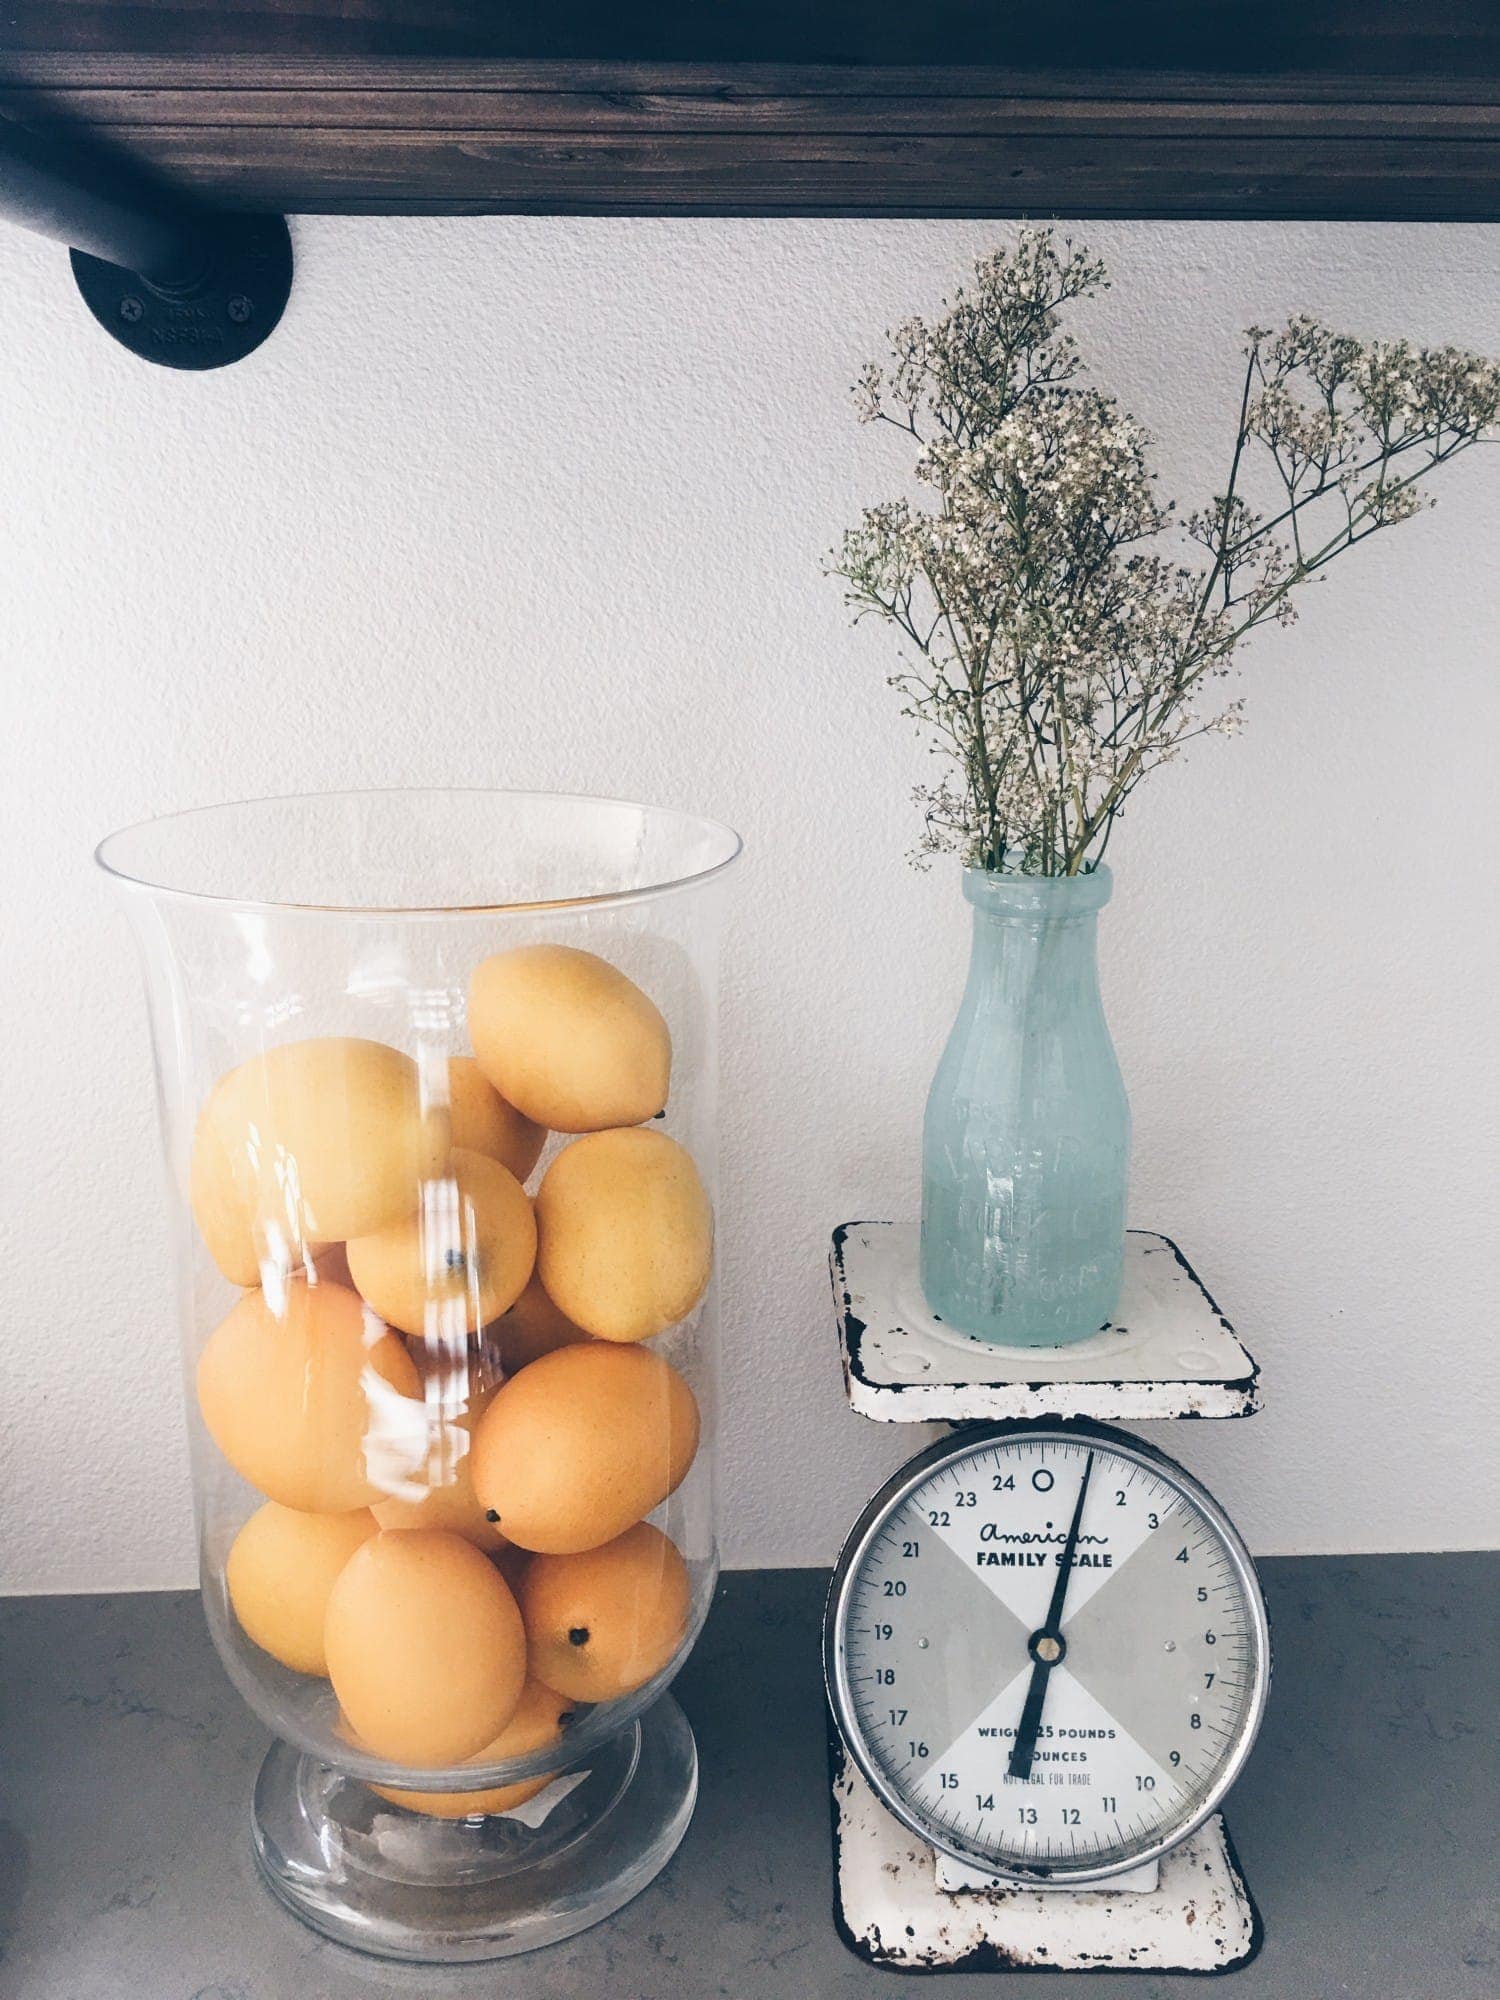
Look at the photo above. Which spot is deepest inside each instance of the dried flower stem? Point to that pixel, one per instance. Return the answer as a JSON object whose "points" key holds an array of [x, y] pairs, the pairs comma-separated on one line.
{"points": [[1058, 643]]}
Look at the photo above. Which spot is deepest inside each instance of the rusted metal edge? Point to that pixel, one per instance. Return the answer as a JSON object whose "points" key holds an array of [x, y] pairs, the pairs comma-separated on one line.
{"points": [[988, 1957], [941, 1402]]}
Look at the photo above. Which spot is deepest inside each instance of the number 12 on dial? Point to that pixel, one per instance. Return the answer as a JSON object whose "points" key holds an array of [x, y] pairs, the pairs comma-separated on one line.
{"points": [[1046, 1648]]}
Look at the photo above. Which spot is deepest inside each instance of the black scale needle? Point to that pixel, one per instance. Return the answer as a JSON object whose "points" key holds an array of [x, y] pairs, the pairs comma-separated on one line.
{"points": [[1047, 1645]]}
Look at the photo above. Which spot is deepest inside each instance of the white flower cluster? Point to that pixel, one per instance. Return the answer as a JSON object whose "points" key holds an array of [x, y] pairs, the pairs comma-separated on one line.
{"points": [[1058, 648]]}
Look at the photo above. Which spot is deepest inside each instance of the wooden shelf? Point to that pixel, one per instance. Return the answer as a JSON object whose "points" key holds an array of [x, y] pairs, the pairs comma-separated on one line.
{"points": [[1184, 108]]}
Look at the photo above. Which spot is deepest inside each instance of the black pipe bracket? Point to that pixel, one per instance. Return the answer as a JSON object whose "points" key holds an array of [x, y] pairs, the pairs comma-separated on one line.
{"points": [[178, 284], [208, 318]]}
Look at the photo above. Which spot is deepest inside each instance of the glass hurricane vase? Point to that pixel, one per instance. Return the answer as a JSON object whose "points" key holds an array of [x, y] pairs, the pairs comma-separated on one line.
{"points": [[1026, 1142], [437, 1086]]}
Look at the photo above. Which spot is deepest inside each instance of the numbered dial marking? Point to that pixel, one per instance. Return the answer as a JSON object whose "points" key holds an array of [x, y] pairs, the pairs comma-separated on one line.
{"points": [[944, 1632]]}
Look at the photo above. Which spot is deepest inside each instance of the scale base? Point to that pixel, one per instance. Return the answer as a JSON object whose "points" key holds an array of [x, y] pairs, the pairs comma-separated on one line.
{"points": [[401, 1885], [891, 1913]]}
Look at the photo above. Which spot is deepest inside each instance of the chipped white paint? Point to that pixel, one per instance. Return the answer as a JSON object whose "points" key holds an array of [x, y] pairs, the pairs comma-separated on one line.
{"points": [[1169, 1352], [1199, 1917], [954, 1879]]}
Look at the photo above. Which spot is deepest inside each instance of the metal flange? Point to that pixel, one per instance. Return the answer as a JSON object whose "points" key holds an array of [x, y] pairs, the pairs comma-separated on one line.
{"points": [[209, 318]]}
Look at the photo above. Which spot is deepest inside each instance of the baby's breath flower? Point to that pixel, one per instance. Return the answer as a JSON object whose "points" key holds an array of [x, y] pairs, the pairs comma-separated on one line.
{"points": [[1060, 646]]}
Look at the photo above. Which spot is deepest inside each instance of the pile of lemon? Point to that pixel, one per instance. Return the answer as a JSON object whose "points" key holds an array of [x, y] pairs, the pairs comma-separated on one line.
{"points": [[438, 1382]]}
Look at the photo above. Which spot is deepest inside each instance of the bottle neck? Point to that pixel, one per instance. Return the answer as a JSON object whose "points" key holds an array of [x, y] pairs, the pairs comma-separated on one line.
{"points": [[1034, 934], [1044, 899]]}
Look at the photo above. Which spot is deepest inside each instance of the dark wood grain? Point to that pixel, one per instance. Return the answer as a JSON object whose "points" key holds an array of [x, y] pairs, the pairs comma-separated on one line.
{"points": [[1217, 109], [1249, 37]]}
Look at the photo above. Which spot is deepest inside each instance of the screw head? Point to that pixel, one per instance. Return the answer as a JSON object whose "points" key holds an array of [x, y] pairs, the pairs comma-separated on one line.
{"points": [[240, 308], [131, 309]]}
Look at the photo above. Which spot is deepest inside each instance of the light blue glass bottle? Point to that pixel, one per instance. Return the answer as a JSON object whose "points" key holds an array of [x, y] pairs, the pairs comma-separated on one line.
{"points": [[1026, 1146]]}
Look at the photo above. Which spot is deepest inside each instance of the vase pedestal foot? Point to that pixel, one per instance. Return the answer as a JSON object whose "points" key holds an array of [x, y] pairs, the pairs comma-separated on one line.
{"points": [[401, 1885]]}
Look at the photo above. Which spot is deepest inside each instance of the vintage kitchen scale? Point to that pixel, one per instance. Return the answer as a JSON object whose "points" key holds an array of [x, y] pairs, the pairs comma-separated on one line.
{"points": [[1045, 1648]]}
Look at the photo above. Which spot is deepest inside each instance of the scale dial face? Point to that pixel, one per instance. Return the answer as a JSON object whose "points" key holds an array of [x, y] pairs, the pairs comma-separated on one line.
{"points": [[1033, 1717]]}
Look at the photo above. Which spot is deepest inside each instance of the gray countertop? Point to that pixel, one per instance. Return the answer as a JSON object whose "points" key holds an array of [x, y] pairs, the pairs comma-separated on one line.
{"points": [[1365, 1823]]}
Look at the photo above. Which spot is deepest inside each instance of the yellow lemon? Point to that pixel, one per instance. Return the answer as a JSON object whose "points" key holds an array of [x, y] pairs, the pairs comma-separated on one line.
{"points": [[625, 1233], [281, 1568], [482, 1121], [315, 1141], [540, 1720], [459, 1261], [425, 1646], [583, 1444], [295, 1397], [570, 1041], [605, 1622], [532, 1327]]}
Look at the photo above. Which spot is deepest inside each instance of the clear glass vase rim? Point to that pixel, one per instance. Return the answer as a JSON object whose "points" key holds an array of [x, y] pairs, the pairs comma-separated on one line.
{"points": [[730, 842], [1002, 893]]}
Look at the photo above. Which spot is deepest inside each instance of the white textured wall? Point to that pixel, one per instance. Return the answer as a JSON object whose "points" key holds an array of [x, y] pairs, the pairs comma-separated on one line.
{"points": [[542, 503]]}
